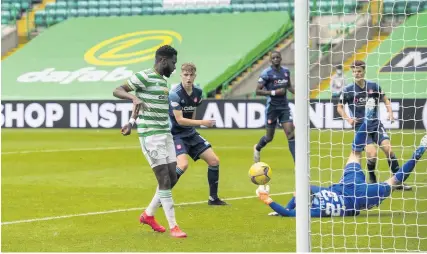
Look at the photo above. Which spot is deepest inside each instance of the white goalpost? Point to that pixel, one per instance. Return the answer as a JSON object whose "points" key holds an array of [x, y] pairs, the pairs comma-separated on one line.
{"points": [[302, 123], [390, 36]]}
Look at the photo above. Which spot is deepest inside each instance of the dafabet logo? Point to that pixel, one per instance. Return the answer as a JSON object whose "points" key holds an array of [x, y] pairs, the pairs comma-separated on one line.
{"points": [[118, 52]]}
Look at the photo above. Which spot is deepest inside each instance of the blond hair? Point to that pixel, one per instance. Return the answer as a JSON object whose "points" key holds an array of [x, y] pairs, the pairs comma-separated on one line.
{"points": [[190, 67]]}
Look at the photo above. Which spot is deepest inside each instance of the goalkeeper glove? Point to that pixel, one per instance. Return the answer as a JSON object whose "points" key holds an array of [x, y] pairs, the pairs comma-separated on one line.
{"points": [[263, 192]]}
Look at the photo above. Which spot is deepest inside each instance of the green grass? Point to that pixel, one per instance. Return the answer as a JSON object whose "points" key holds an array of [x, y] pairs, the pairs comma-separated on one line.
{"points": [[113, 174]]}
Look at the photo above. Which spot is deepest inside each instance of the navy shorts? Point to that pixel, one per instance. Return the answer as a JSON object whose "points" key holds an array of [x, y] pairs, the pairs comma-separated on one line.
{"points": [[193, 145], [353, 185], [274, 115], [376, 135]]}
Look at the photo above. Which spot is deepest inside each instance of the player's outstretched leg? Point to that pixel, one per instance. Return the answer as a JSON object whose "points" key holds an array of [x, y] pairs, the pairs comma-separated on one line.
{"points": [[407, 168], [147, 217], [262, 143]]}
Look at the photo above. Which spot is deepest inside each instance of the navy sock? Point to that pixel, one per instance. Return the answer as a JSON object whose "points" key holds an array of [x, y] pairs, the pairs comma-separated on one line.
{"points": [[262, 142], [179, 172], [291, 144], [371, 169], [393, 164], [407, 168], [213, 178]]}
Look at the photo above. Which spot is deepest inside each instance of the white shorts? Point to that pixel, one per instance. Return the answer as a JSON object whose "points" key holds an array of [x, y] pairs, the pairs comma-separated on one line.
{"points": [[158, 149]]}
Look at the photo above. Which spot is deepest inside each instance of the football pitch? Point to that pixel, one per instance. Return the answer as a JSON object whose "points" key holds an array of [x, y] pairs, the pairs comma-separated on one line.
{"points": [[83, 191]]}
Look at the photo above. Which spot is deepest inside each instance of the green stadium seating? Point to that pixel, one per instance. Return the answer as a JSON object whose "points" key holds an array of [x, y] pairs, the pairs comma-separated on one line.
{"points": [[5, 6], [114, 4], [82, 12], [136, 3], [114, 12], [104, 12], [72, 13], [93, 4], [72, 5], [135, 11], [125, 11], [125, 4], [260, 7], [104, 4], [157, 3], [93, 12], [158, 10], [5, 17]]}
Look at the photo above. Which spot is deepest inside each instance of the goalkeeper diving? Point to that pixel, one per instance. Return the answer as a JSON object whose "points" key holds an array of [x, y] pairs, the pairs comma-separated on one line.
{"points": [[352, 194]]}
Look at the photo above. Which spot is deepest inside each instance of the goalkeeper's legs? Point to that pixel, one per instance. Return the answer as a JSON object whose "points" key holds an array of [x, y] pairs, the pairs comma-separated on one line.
{"points": [[403, 173]]}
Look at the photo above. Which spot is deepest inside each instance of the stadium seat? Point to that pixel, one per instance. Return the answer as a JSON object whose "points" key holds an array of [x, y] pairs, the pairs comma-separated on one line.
{"points": [[61, 5], [104, 4], [61, 13], [50, 20], [136, 3], [39, 18], [72, 13], [72, 5], [157, 3], [125, 11], [5, 6], [125, 4], [147, 3], [25, 4], [50, 6], [135, 11], [104, 12], [114, 12], [92, 12], [272, 6], [147, 11], [158, 11], [238, 8], [114, 4], [82, 5], [82, 13], [93, 4], [260, 7]]}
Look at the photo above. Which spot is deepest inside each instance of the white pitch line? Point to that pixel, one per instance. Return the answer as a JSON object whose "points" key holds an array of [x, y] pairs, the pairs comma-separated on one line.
{"points": [[123, 210], [135, 147]]}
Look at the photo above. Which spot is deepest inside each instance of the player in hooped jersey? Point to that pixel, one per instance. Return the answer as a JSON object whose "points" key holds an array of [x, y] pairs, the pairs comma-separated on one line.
{"points": [[184, 98], [274, 83], [151, 95], [352, 194], [356, 95]]}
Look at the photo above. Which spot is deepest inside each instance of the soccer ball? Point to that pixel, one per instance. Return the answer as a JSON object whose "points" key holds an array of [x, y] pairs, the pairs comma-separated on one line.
{"points": [[260, 173]]}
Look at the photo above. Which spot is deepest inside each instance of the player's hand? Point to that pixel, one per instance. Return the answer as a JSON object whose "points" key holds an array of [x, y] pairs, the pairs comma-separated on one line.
{"points": [[391, 117], [280, 91], [208, 123], [139, 104], [263, 192], [126, 129], [352, 121]]}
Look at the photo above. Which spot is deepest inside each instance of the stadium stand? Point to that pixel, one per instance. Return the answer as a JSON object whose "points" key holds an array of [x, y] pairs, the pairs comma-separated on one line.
{"points": [[12, 10], [62, 9]]}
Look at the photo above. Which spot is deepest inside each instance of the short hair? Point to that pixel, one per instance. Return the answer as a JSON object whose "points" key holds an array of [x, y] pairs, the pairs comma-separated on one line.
{"points": [[275, 52], [165, 51], [339, 67], [358, 63], [190, 67]]}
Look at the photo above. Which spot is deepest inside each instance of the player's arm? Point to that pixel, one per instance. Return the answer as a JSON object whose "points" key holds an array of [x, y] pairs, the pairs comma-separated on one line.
{"points": [[290, 88], [387, 104], [263, 79], [341, 111], [132, 84], [179, 116]]}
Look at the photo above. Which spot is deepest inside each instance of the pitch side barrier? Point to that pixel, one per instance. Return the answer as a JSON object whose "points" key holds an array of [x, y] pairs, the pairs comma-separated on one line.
{"points": [[229, 114]]}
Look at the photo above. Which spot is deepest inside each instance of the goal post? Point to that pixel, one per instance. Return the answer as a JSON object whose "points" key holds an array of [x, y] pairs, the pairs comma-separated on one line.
{"points": [[302, 123], [390, 36]]}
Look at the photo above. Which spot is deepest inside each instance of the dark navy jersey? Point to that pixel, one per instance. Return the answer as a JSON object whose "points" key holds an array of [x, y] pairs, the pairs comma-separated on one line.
{"points": [[180, 100], [356, 98], [273, 79]]}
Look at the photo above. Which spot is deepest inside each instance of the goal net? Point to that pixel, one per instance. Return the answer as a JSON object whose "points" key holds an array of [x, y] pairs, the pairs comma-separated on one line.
{"points": [[390, 36]]}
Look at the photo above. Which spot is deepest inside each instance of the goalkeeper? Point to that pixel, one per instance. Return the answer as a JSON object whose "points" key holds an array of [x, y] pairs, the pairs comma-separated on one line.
{"points": [[352, 194]]}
